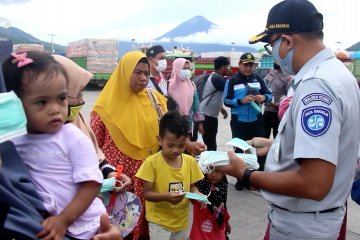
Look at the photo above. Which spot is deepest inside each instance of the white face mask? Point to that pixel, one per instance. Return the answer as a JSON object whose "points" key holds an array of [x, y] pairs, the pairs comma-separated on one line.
{"points": [[185, 74], [162, 64]]}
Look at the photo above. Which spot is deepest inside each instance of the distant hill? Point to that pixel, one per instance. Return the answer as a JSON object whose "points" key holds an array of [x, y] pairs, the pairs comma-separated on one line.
{"points": [[194, 25], [354, 48], [18, 36]]}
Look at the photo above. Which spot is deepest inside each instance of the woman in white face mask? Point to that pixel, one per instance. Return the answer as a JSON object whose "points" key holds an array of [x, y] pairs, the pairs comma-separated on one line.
{"points": [[183, 91]]}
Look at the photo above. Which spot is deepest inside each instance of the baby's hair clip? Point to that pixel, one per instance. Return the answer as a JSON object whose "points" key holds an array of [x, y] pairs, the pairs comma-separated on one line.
{"points": [[21, 59]]}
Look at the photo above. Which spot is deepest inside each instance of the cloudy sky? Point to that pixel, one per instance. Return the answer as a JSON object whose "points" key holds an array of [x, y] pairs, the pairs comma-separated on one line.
{"points": [[144, 20]]}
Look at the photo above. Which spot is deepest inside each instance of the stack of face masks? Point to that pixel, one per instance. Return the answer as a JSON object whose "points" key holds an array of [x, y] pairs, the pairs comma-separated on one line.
{"points": [[197, 197], [207, 160], [12, 117]]}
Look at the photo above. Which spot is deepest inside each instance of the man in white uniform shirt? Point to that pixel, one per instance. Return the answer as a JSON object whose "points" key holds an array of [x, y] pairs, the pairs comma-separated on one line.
{"points": [[310, 166]]}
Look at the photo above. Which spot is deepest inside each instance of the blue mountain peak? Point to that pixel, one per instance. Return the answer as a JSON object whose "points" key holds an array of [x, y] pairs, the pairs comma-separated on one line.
{"points": [[193, 25]]}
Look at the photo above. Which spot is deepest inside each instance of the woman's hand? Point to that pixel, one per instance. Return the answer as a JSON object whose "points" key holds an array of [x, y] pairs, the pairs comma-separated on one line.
{"points": [[194, 148], [262, 145], [124, 179]]}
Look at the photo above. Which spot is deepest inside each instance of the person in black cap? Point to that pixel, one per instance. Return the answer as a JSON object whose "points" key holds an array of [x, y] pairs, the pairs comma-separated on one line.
{"points": [[244, 93], [157, 59], [310, 165]]}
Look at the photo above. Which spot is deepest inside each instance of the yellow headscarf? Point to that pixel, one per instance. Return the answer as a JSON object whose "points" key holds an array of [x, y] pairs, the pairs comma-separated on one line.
{"points": [[129, 117]]}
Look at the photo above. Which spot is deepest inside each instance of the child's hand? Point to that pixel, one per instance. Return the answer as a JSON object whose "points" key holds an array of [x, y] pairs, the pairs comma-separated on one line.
{"points": [[54, 228], [175, 197], [228, 228]]}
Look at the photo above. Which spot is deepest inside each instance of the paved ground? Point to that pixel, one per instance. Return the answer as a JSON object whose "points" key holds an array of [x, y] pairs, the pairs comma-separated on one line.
{"points": [[247, 208]]}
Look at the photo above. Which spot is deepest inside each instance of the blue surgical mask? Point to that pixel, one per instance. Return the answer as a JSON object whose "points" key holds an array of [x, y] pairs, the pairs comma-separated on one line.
{"points": [[286, 63], [109, 184], [12, 117], [197, 197]]}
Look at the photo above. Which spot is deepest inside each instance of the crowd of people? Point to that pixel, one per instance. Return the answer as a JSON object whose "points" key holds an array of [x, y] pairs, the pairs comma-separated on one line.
{"points": [[53, 163]]}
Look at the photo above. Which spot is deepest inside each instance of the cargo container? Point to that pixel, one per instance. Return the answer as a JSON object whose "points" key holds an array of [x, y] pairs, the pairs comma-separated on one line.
{"points": [[25, 47], [98, 56]]}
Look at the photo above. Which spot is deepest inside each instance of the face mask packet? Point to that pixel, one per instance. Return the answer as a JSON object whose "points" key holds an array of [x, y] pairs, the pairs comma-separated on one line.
{"points": [[243, 145], [208, 160], [197, 197], [250, 160]]}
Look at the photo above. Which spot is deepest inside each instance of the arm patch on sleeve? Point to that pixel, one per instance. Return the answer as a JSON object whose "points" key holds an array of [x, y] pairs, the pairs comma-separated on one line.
{"points": [[317, 97], [316, 120]]}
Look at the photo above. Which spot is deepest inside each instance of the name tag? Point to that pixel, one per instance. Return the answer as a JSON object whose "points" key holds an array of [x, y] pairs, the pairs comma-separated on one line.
{"points": [[239, 86]]}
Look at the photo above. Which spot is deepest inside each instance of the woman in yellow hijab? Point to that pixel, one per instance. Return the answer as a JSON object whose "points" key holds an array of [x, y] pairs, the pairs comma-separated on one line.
{"points": [[126, 124]]}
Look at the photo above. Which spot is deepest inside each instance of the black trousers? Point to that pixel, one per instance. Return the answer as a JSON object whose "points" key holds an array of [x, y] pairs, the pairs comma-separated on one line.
{"points": [[247, 130], [271, 121], [210, 125]]}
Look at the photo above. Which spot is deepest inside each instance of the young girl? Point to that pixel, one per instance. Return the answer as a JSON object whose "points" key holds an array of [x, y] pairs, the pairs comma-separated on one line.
{"points": [[61, 160], [212, 221]]}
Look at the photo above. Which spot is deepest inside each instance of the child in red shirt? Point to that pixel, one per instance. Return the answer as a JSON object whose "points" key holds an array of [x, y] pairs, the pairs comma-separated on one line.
{"points": [[211, 221]]}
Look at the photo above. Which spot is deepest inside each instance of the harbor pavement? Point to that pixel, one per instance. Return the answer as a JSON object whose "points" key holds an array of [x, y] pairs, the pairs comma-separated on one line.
{"points": [[248, 209]]}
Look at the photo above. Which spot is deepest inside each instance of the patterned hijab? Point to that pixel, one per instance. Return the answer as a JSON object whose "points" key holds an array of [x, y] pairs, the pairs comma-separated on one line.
{"points": [[181, 91], [217, 197], [129, 117]]}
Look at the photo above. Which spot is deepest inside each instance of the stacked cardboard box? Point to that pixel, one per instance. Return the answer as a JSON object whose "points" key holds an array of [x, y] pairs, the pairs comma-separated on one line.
{"points": [[101, 54], [24, 47]]}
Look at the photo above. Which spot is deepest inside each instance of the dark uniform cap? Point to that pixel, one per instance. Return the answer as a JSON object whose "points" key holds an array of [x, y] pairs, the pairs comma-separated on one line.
{"points": [[247, 58], [290, 16], [154, 50]]}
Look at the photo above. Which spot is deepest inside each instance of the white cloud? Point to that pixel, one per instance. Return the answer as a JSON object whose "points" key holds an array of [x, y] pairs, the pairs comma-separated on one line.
{"points": [[144, 20]]}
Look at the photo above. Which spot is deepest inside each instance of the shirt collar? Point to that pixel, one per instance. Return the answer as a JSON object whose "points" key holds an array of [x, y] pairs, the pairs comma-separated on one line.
{"points": [[309, 68]]}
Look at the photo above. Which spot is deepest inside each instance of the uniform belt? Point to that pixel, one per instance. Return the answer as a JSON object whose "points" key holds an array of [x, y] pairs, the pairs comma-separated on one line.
{"points": [[323, 211]]}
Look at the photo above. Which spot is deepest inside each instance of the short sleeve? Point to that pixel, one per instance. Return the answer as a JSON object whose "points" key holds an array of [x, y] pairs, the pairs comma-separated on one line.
{"points": [[196, 173], [317, 116], [146, 171], [83, 157]]}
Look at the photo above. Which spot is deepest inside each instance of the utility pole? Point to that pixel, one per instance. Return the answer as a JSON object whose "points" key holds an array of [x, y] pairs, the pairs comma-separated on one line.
{"points": [[133, 43], [233, 48], [52, 42]]}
